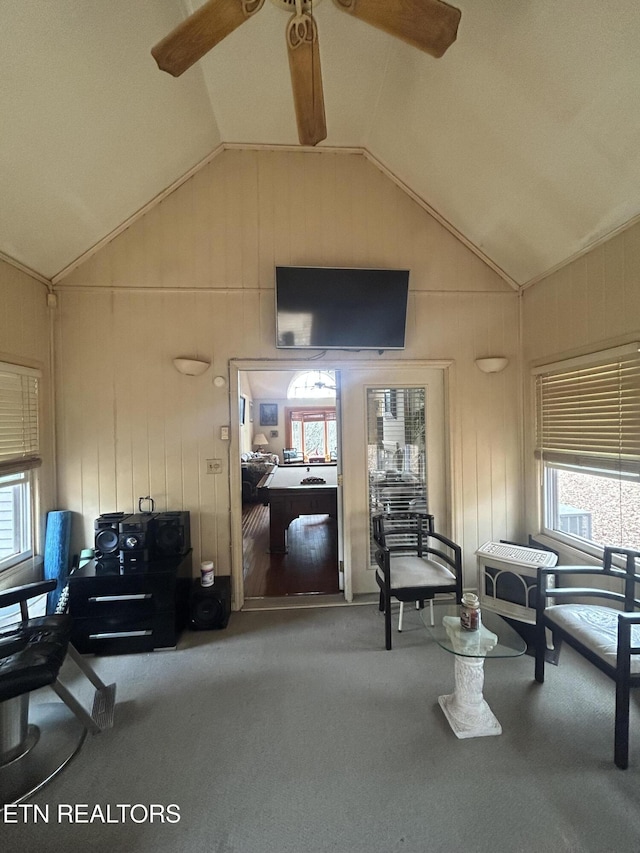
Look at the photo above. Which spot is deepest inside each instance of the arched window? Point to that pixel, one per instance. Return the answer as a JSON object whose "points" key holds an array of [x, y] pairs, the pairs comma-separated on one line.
{"points": [[311, 429], [313, 383]]}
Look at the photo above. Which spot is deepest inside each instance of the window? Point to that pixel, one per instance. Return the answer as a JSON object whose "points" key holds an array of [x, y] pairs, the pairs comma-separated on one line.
{"points": [[588, 443], [396, 452], [15, 519], [19, 455], [313, 383], [313, 432]]}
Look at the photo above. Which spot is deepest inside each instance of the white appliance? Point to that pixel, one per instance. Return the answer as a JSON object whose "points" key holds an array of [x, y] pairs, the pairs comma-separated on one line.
{"points": [[507, 578]]}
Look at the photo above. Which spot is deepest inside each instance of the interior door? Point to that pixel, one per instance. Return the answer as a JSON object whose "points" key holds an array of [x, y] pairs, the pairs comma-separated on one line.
{"points": [[362, 391]]}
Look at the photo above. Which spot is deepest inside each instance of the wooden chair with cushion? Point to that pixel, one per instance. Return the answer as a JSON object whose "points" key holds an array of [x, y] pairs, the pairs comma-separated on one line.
{"points": [[604, 629], [414, 563]]}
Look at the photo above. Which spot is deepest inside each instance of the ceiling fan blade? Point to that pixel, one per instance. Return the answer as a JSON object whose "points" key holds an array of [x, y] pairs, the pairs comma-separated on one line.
{"points": [[429, 25], [306, 79], [198, 33]]}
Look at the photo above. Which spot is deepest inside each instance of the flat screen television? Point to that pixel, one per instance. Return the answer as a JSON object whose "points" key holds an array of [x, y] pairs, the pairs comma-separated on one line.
{"points": [[341, 308]]}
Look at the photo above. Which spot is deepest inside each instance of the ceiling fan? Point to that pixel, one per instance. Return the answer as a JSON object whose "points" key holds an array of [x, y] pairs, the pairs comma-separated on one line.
{"points": [[430, 25], [319, 384]]}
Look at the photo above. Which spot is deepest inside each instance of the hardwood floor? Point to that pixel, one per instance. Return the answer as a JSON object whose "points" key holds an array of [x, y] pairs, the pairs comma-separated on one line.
{"points": [[310, 566]]}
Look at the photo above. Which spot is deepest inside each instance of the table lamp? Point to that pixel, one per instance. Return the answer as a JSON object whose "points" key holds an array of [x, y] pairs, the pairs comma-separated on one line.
{"points": [[260, 441]]}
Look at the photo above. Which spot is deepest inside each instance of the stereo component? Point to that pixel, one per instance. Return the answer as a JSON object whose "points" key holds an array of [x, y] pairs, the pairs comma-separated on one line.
{"points": [[170, 533], [134, 532], [106, 529], [133, 561], [132, 539], [109, 565], [210, 606]]}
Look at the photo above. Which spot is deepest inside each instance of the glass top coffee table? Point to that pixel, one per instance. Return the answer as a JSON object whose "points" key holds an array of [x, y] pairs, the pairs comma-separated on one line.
{"points": [[466, 709]]}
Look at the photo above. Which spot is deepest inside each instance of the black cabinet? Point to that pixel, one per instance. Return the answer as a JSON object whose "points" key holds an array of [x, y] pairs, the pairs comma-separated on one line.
{"points": [[135, 611]]}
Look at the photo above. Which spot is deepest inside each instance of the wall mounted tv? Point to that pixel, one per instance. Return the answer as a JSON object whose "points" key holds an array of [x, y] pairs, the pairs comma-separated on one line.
{"points": [[341, 308]]}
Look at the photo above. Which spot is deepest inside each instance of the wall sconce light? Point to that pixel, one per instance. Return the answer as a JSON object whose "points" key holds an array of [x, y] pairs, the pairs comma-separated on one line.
{"points": [[260, 440], [191, 366], [494, 364]]}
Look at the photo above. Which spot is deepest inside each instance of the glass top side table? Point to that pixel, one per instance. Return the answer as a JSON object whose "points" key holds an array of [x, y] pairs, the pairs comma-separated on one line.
{"points": [[466, 709]]}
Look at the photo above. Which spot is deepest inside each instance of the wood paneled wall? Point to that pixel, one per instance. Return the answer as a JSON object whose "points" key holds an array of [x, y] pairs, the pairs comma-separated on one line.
{"points": [[589, 305], [194, 276], [25, 339]]}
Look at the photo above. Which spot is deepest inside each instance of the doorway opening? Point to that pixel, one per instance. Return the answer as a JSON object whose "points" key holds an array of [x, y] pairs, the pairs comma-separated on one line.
{"points": [[289, 440], [309, 566], [407, 407]]}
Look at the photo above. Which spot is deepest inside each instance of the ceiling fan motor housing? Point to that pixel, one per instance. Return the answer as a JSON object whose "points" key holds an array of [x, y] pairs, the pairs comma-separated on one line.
{"points": [[290, 5]]}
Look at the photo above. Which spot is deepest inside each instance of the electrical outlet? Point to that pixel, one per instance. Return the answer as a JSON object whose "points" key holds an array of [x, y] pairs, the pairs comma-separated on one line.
{"points": [[214, 466]]}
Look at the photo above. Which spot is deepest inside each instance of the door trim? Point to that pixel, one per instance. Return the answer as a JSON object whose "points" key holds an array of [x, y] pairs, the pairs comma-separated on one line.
{"points": [[238, 365]]}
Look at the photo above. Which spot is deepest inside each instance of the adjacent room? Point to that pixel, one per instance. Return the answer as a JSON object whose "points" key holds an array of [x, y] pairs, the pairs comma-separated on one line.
{"points": [[319, 377], [289, 428]]}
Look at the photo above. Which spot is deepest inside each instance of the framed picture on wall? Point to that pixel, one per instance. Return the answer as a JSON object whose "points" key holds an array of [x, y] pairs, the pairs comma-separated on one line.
{"points": [[250, 411], [268, 414], [243, 408]]}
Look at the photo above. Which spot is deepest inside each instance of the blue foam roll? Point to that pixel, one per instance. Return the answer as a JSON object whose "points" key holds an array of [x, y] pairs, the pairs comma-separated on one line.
{"points": [[56, 553]]}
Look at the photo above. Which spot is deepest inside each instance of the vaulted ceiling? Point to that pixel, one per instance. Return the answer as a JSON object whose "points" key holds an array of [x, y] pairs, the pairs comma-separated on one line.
{"points": [[524, 136]]}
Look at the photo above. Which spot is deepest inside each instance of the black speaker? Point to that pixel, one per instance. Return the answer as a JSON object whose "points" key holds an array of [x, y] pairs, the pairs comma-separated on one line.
{"points": [[210, 606], [106, 527], [170, 533]]}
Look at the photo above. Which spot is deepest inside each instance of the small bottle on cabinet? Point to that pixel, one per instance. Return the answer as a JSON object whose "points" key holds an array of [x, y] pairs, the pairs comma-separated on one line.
{"points": [[470, 612], [206, 573]]}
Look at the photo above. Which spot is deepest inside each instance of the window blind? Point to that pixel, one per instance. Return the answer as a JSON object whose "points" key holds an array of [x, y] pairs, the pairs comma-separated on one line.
{"points": [[19, 428], [396, 449], [311, 415], [588, 415]]}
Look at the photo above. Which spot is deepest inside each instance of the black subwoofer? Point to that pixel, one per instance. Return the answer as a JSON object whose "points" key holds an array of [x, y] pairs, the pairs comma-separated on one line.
{"points": [[210, 606], [170, 533]]}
